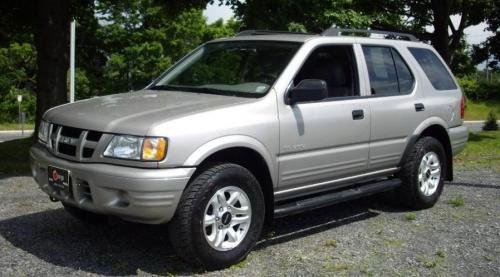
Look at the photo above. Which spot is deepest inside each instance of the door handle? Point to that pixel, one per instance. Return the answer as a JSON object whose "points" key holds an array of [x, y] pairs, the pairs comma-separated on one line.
{"points": [[358, 114], [419, 107]]}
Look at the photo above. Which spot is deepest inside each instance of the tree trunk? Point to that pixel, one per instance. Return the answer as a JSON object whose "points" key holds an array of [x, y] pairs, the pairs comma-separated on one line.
{"points": [[52, 45], [441, 14]]}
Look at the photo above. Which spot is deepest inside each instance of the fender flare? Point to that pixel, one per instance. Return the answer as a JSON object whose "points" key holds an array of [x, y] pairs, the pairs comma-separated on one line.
{"points": [[232, 141], [432, 121]]}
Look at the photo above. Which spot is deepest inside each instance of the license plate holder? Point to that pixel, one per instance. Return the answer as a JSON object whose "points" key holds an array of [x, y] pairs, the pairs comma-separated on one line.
{"points": [[58, 179]]}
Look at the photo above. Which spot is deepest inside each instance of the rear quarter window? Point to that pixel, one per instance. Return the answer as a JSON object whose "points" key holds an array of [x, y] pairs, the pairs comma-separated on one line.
{"points": [[434, 69]]}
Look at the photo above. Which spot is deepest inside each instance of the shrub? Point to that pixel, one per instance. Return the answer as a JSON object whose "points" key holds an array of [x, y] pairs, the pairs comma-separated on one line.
{"points": [[478, 89], [491, 122], [469, 85]]}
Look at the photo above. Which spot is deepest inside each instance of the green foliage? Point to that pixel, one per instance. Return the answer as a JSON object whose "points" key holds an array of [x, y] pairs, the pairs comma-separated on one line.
{"points": [[9, 110], [491, 122], [470, 86], [296, 27], [17, 77], [479, 89], [396, 15], [82, 84], [299, 15], [141, 42]]}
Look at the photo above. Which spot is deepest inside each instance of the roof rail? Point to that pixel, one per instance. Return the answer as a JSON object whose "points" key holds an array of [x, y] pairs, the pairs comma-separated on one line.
{"points": [[268, 32], [338, 32]]}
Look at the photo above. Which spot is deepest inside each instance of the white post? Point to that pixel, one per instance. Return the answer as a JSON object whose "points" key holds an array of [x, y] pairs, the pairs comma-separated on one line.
{"points": [[72, 63]]}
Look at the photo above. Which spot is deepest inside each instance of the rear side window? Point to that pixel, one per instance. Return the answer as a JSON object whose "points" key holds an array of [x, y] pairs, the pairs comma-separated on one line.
{"points": [[434, 69], [389, 74]]}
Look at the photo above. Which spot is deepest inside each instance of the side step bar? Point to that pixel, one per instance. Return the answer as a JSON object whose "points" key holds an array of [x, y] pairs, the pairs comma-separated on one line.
{"points": [[335, 197]]}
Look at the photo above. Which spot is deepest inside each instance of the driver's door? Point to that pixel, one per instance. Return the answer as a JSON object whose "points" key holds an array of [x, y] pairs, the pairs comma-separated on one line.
{"points": [[325, 140]]}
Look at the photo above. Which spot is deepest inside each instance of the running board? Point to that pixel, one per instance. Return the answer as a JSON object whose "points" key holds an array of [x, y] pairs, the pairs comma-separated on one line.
{"points": [[335, 197]]}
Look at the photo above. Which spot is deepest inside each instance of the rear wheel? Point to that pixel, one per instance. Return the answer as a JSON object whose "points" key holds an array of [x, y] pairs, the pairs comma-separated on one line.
{"points": [[219, 218], [423, 174], [85, 216]]}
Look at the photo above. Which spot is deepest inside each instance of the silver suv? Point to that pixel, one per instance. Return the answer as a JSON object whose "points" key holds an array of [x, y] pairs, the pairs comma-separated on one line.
{"points": [[249, 128]]}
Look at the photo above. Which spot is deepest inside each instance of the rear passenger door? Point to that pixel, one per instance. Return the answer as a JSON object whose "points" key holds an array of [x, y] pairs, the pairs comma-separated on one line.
{"points": [[396, 106]]}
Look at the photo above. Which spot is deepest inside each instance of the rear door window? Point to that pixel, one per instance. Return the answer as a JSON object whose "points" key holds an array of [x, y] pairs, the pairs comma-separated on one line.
{"points": [[434, 69]]}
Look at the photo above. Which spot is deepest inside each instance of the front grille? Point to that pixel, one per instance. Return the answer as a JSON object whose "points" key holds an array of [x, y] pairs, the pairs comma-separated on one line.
{"points": [[67, 149], [73, 143]]}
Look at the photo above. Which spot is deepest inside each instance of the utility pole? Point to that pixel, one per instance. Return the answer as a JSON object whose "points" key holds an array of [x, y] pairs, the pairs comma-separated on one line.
{"points": [[72, 62]]}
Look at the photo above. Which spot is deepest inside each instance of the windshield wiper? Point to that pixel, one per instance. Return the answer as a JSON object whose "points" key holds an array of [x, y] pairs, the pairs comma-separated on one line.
{"points": [[165, 87], [204, 90]]}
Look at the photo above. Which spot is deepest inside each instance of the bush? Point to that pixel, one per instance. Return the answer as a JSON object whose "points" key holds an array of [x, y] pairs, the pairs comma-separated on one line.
{"points": [[491, 122], [469, 85], [479, 89]]}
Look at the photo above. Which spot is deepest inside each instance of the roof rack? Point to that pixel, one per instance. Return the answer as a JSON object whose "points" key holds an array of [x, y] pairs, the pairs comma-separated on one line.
{"points": [[338, 32], [268, 32]]}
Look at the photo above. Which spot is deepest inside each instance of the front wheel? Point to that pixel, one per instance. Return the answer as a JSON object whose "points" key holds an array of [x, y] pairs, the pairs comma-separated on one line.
{"points": [[219, 218], [423, 174]]}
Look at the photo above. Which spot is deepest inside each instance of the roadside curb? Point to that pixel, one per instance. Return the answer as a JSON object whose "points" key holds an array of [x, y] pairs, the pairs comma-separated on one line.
{"points": [[477, 121], [15, 131]]}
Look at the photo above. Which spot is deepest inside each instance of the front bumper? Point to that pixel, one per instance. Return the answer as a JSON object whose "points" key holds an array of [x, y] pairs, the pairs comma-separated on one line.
{"points": [[134, 194]]}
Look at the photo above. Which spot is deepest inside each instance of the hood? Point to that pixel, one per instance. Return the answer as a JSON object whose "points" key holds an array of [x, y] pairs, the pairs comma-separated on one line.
{"points": [[134, 112]]}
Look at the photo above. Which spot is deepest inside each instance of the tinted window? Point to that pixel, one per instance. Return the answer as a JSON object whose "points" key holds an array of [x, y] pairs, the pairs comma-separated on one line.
{"points": [[405, 78], [383, 75], [434, 69], [336, 66]]}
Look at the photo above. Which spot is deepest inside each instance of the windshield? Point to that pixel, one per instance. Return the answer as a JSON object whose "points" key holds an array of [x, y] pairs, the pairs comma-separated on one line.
{"points": [[239, 68]]}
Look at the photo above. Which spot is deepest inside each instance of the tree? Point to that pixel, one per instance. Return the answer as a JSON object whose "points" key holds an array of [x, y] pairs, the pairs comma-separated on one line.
{"points": [[393, 15], [490, 49], [52, 44], [17, 77], [141, 42], [46, 23]]}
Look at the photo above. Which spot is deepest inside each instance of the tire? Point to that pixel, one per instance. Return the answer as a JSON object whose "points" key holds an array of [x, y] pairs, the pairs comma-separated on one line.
{"points": [[415, 180], [198, 208], [85, 216]]}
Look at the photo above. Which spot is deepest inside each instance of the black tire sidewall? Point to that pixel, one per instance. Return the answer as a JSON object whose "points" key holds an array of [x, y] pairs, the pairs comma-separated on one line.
{"points": [[429, 145], [238, 177]]}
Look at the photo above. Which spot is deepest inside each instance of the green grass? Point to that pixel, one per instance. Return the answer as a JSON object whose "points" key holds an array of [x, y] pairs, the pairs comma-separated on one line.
{"points": [[457, 202], [331, 243], [480, 110], [410, 217], [440, 253], [15, 126], [15, 157], [482, 151]]}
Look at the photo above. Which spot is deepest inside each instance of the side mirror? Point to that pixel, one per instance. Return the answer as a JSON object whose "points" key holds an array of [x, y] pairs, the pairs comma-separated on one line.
{"points": [[307, 90]]}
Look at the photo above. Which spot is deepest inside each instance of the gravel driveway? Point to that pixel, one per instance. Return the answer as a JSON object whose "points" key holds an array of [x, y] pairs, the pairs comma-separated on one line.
{"points": [[459, 236]]}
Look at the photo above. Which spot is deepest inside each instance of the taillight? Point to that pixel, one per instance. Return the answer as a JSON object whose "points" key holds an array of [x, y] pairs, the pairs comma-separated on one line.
{"points": [[462, 108]]}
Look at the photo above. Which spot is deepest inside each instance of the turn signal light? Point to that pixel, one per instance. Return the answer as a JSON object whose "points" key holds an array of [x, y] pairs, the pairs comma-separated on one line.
{"points": [[154, 149]]}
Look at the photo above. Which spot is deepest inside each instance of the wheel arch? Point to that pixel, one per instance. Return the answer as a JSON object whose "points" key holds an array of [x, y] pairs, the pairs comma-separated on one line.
{"points": [[243, 151], [434, 127]]}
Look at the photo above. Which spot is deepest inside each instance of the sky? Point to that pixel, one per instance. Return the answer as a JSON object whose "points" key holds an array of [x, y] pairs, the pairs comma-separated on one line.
{"points": [[474, 34]]}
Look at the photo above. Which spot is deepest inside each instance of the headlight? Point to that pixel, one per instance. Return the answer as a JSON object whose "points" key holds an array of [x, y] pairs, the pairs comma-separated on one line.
{"points": [[136, 148], [43, 131]]}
